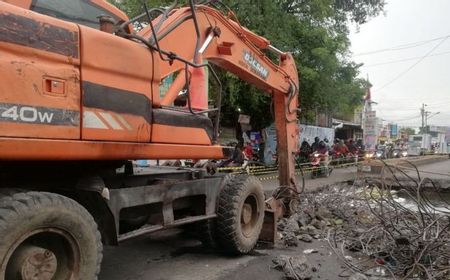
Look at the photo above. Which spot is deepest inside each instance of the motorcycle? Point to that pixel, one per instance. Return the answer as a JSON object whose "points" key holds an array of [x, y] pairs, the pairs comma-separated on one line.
{"points": [[320, 165], [339, 158], [230, 166], [396, 153], [400, 153], [302, 157], [380, 154]]}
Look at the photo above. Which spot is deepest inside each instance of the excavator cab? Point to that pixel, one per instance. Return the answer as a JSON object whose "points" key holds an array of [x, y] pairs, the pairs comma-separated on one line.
{"points": [[84, 12]]}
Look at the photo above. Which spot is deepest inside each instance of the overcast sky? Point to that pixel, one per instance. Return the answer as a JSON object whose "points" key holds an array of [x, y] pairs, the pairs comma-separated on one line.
{"points": [[399, 92]]}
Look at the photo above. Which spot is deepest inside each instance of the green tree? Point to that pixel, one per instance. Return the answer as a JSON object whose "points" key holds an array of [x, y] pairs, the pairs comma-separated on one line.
{"points": [[316, 32], [408, 131], [135, 7]]}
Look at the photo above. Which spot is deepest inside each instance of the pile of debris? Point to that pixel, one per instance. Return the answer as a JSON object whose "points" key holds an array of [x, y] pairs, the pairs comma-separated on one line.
{"points": [[369, 221], [294, 267], [319, 212]]}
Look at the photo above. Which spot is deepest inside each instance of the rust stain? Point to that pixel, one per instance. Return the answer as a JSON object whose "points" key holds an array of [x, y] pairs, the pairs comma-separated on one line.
{"points": [[27, 32], [36, 88]]}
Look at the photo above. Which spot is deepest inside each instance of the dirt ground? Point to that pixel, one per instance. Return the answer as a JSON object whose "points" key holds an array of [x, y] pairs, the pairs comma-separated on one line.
{"points": [[172, 255]]}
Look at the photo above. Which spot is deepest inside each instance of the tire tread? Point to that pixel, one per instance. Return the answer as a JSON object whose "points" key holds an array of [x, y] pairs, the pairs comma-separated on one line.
{"points": [[14, 202], [228, 214]]}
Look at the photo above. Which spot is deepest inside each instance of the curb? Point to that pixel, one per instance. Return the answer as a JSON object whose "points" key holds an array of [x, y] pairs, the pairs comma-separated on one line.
{"points": [[375, 167]]}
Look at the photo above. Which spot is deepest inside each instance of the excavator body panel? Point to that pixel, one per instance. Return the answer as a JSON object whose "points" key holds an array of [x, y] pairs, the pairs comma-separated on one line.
{"points": [[71, 81], [40, 70]]}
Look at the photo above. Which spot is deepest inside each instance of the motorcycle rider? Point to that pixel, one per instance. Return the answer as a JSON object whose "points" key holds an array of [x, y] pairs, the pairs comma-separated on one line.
{"points": [[352, 147], [360, 145], [327, 143], [315, 144], [237, 158], [341, 148], [322, 150], [304, 152], [248, 151]]}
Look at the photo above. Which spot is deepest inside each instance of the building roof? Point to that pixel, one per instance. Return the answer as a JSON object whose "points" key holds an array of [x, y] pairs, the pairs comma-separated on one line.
{"points": [[337, 122]]}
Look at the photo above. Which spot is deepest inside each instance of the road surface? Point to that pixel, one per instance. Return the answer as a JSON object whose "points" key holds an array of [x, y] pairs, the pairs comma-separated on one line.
{"points": [[171, 255]]}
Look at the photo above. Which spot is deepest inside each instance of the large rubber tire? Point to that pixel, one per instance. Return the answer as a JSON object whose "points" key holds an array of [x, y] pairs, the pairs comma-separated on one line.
{"points": [[37, 224], [204, 231], [237, 234]]}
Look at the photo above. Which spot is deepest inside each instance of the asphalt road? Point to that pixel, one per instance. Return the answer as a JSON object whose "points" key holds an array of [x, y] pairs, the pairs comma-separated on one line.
{"points": [[171, 255], [337, 175], [436, 170]]}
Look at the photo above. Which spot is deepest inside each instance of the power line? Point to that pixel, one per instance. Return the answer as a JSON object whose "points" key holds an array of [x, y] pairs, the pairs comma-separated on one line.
{"points": [[402, 108], [404, 60], [412, 66], [445, 104], [382, 115], [404, 46], [408, 119]]}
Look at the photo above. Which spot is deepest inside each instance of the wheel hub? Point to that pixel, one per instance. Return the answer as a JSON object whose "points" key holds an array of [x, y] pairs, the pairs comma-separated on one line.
{"points": [[35, 263], [246, 213]]}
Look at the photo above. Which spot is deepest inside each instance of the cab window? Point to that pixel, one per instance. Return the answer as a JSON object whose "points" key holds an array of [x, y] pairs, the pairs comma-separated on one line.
{"points": [[78, 11]]}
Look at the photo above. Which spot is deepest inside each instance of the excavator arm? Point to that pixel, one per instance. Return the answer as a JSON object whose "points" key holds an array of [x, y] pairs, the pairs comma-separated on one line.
{"points": [[198, 33]]}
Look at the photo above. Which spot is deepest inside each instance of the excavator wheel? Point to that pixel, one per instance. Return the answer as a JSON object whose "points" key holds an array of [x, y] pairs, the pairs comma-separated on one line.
{"points": [[240, 214], [47, 236], [204, 231]]}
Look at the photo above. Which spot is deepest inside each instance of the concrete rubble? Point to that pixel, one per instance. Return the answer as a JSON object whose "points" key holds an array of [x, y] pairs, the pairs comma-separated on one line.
{"points": [[294, 267], [372, 231]]}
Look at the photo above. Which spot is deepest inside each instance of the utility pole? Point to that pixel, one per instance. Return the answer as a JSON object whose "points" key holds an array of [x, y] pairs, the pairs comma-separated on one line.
{"points": [[423, 114]]}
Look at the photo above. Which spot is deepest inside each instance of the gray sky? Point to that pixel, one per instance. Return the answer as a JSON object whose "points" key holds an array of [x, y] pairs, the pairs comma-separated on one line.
{"points": [[400, 94]]}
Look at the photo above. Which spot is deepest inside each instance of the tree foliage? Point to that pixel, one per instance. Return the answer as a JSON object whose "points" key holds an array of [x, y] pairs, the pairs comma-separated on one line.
{"points": [[408, 131], [317, 33]]}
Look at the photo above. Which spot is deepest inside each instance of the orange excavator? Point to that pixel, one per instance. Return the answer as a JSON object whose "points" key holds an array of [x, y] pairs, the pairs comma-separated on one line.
{"points": [[82, 96]]}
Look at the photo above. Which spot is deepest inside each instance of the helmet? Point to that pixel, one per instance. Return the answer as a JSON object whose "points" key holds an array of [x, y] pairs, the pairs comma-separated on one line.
{"points": [[322, 144]]}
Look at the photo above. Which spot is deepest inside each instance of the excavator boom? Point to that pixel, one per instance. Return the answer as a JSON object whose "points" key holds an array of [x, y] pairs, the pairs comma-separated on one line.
{"points": [[205, 31]]}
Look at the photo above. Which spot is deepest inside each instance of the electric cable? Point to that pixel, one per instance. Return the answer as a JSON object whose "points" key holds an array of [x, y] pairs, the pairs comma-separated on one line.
{"points": [[404, 46], [404, 60], [412, 66]]}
